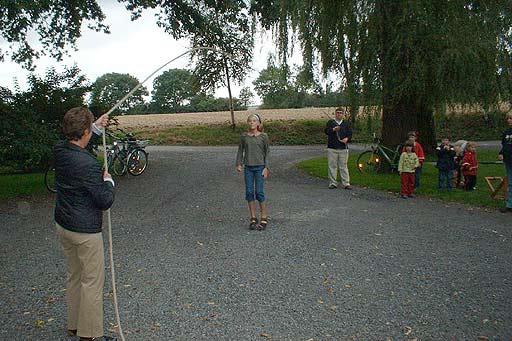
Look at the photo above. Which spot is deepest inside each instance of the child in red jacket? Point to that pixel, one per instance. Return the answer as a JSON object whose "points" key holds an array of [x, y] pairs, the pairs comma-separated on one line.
{"points": [[469, 166]]}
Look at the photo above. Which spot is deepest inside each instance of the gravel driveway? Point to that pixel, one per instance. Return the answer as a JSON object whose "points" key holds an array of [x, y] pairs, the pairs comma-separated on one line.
{"points": [[333, 264]]}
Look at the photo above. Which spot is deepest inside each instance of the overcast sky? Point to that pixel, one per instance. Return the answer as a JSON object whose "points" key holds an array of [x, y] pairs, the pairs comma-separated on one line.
{"points": [[137, 48]]}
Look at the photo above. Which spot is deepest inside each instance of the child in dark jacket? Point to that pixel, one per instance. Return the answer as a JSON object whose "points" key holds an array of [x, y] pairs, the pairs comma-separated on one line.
{"points": [[445, 163], [469, 166]]}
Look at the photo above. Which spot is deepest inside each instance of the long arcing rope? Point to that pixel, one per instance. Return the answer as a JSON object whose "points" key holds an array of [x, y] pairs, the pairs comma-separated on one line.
{"points": [[109, 220]]}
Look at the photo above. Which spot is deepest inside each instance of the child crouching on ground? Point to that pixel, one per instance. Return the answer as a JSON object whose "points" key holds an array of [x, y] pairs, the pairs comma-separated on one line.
{"points": [[469, 166], [253, 155], [445, 163], [406, 167]]}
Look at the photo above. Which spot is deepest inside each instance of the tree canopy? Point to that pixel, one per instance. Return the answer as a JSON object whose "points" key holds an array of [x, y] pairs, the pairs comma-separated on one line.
{"points": [[246, 96], [57, 24], [31, 119], [111, 87], [417, 55], [223, 25], [171, 89]]}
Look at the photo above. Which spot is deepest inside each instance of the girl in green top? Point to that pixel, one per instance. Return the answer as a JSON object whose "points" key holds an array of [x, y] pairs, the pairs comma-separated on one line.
{"points": [[253, 152]]}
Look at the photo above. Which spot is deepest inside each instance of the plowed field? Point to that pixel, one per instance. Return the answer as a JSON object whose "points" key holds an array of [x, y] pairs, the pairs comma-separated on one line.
{"points": [[164, 120]]}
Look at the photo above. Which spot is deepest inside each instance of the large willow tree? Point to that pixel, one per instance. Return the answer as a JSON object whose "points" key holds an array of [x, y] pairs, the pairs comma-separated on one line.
{"points": [[416, 55]]}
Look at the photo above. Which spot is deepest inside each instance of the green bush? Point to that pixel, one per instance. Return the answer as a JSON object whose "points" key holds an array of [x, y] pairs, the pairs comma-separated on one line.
{"points": [[30, 119], [27, 144], [471, 126]]}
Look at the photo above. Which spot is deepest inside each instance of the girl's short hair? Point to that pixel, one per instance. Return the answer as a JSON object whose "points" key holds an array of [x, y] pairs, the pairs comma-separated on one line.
{"points": [[509, 114], [76, 121], [409, 144]]}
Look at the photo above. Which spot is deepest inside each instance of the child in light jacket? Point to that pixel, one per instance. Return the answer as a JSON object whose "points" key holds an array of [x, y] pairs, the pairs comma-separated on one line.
{"points": [[418, 149], [406, 167]]}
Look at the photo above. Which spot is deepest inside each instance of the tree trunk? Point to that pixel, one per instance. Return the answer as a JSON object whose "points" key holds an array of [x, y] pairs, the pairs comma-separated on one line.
{"points": [[233, 124], [407, 111], [400, 118]]}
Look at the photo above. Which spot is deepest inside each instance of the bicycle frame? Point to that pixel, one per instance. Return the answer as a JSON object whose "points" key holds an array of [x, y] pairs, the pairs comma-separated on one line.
{"points": [[386, 152], [121, 150]]}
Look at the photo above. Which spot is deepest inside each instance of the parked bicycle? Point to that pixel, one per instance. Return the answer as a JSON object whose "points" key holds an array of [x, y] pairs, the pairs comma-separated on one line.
{"points": [[127, 155], [371, 161], [49, 178]]}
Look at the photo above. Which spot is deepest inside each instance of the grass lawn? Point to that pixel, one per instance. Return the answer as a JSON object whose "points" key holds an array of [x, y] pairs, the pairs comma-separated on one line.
{"points": [[22, 184], [391, 181], [13, 185]]}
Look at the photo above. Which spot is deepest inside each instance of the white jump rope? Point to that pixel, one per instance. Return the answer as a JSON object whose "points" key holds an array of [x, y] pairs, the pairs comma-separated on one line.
{"points": [[109, 221]]}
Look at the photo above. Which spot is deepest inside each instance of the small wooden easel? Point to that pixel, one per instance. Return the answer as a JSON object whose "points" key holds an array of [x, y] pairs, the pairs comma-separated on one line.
{"points": [[495, 191]]}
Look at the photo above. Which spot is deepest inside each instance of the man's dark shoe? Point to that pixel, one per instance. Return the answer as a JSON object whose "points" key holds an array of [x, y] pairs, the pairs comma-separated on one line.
{"points": [[348, 187], [331, 186], [72, 332], [101, 338], [506, 210]]}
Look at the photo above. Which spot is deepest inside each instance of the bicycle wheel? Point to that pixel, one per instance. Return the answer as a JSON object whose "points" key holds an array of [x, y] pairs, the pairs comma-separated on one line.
{"points": [[137, 161], [369, 162], [49, 179], [119, 165]]}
